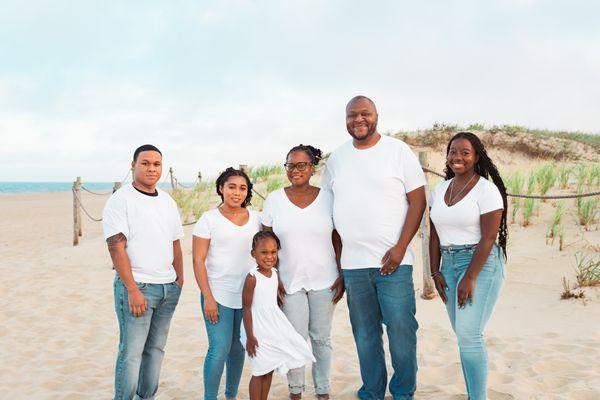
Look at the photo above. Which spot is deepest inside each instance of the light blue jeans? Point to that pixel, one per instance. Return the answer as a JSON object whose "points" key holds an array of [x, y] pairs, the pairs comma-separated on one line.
{"points": [[311, 313], [224, 349], [373, 300], [142, 339], [468, 323]]}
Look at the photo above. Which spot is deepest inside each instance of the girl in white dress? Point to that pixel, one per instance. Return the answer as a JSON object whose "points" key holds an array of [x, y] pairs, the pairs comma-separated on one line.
{"points": [[271, 341]]}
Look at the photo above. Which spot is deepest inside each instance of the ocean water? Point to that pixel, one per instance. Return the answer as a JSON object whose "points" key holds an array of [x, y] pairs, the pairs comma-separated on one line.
{"points": [[43, 187]]}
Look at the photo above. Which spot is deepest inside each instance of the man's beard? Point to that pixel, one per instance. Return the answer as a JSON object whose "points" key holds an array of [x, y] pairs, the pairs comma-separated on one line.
{"points": [[372, 129]]}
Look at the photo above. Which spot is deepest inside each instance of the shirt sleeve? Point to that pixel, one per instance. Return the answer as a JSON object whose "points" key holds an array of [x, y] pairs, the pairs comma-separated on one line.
{"points": [[413, 175], [326, 178], [490, 200], [202, 227], [114, 217], [266, 217]]}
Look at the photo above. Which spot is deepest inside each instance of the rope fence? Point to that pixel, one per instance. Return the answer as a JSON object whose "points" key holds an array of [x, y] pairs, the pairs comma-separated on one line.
{"points": [[78, 206], [532, 196]]}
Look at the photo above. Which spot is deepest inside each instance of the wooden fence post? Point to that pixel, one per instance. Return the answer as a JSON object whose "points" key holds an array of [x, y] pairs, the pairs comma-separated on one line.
{"points": [[79, 219], [76, 212], [199, 177], [244, 169], [172, 178], [117, 186], [428, 285]]}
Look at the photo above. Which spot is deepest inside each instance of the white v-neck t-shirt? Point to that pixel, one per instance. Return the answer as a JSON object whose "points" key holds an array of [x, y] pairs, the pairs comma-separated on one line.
{"points": [[460, 223], [228, 260], [369, 198], [306, 258]]}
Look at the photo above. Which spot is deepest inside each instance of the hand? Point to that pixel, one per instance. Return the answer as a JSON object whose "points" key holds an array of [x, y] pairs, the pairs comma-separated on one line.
{"points": [[441, 287], [251, 346], [179, 282], [280, 294], [465, 291], [391, 260], [338, 287], [211, 310], [137, 302]]}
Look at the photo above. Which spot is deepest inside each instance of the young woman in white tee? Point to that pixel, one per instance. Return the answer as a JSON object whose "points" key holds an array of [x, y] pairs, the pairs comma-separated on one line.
{"points": [[468, 213], [301, 215], [222, 243]]}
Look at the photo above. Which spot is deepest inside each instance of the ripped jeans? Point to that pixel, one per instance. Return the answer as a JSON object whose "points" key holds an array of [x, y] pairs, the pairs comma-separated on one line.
{"points": [[311, 313], [468, 322]]}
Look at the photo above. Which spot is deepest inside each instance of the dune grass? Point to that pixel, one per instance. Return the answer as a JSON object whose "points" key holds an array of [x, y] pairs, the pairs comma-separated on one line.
{"points": [[588, 270]]}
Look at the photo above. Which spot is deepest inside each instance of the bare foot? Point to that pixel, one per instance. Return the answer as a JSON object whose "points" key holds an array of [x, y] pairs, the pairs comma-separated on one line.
{"points": [[323, 396], [295, 396]]}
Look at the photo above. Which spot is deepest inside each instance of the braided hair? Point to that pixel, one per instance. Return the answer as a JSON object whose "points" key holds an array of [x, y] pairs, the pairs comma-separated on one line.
{"points": [[315, 154], [485, 168], [263, 235], [228, 173]]}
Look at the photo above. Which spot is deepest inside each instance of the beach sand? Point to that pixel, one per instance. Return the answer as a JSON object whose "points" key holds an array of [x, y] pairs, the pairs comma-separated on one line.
{"points": [[59, 334]]}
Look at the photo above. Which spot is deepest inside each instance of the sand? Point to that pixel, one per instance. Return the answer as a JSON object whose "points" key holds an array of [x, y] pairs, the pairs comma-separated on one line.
{"points": [[58, 330]]}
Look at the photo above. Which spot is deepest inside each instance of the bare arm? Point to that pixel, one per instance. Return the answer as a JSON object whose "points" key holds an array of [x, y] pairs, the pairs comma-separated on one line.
{"points": [[178, 261], [416, 206], [199, 253], [247, 296], [490, 223], [434, 260], [338, 285], [116, 248]]}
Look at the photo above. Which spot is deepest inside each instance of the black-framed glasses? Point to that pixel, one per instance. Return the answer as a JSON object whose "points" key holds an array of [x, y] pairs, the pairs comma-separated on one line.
{"points": [[301, 166]]}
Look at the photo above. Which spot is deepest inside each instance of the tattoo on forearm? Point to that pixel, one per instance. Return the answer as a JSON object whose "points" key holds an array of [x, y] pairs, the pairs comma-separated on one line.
{"points": [[114, 239]]}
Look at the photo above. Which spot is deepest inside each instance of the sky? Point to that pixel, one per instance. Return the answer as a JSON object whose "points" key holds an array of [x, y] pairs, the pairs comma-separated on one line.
{"points": [[220, 83]]}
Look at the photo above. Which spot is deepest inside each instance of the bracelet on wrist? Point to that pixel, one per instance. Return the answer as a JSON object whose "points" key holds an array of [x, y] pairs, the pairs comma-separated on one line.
{"points": [[436, 273]]}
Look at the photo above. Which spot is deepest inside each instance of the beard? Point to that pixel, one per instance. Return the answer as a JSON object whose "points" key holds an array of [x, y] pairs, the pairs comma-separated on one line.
{"points": [[371, 129]]}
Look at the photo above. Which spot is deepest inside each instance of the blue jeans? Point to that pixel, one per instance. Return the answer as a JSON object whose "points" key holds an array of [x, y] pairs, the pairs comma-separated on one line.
{"points": [[311, 313], [224, 348], [142, 339], [374, 299], [468, 322]]}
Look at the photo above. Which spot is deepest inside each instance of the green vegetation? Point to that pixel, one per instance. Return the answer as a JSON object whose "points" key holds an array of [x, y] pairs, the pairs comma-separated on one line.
{"points": [[564, 172], [588, 270], [545, 178]]}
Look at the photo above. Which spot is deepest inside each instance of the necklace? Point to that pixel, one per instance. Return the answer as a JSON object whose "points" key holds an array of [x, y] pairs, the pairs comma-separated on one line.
{"points": [[450, 203]]}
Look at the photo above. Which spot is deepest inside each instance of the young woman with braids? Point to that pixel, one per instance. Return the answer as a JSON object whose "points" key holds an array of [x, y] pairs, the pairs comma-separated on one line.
{"points": [[468, 213], [222, 241], [301, 215]]}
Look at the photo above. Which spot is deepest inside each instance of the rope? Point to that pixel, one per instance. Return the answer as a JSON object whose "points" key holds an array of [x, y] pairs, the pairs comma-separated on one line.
{"points": [[190, 223], [83, 208], [96, 193], [259, 195], [186, 186], [532, 196], [126, 176]]}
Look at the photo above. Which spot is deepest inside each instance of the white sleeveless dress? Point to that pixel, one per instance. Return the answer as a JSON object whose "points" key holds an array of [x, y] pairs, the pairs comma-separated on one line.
{"points": [[280, 347]]}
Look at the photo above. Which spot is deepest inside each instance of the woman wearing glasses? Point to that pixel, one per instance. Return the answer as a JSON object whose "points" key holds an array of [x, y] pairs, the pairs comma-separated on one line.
{"points": [[309, 262]]}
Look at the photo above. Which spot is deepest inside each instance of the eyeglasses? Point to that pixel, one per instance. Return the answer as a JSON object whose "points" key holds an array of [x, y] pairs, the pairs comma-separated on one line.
{"points": [[301, 166]]}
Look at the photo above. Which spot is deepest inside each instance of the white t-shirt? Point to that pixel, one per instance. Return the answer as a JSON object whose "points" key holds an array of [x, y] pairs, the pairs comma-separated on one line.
{"points": [[307, 258], [369, 204], [151, 224], [228, 260], [460, 223]]}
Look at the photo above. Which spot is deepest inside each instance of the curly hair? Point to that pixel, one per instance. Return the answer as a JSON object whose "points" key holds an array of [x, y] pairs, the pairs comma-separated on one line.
{"points": [[263, 235], [487, 169], [315, 154], [228, 173]]}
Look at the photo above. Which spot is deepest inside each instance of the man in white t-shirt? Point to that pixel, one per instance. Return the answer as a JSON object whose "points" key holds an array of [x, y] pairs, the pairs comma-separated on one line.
{"points": [[379, 199], [142, 229]]}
